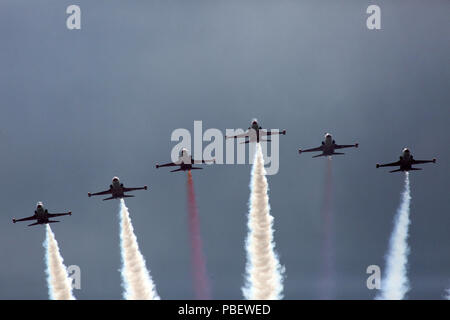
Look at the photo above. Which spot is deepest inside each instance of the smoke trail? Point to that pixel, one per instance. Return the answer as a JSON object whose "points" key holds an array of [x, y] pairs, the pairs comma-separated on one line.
{"points": [[264, 275], [201, 283], [136, 278], [58, 281], [395, 284], [447, 296], [326, 284]]}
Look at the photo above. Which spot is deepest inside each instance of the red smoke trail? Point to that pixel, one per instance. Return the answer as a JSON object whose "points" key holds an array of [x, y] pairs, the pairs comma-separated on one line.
{"points": [[327, 285], [201, 283]]}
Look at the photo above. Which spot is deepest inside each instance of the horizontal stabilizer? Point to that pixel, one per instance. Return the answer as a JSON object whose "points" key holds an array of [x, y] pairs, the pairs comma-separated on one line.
{"points": [[33, 224], [338, 153], [196, 168], [108, 198], [176, 170], [398, 170], [415, 169], [127, 196], [319, 155], [52, 221]]}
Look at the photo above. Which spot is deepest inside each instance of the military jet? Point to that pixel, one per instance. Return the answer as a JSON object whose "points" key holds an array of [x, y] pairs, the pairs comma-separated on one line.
{"points": [[42, 216], [406, 162], [185, 162], [328, 147], [255, 132], [116, 190]]}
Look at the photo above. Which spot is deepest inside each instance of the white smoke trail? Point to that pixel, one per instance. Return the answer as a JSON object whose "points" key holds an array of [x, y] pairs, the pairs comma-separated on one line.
{"points": [[58, 281], [447, 296], [395, 284], [264, 275], [136, 279]]}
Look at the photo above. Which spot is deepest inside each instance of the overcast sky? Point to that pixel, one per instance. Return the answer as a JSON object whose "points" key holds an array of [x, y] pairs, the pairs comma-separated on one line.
{"points": [[79, 107]]}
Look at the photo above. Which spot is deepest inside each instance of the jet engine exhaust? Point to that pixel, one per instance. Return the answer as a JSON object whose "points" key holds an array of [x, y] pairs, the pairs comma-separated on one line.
{"points": [[395, 283], [136, 279], [264, 275], [58, 281], [201, 281]]}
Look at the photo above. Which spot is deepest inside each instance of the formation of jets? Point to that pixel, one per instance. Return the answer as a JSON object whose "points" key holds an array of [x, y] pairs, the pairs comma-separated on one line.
{"points": [[186, 162]]}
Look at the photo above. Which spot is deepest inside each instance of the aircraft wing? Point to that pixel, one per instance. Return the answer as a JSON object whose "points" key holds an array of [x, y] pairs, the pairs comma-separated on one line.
{"points": [[242, 135], [101, 193], [132, 189], [170, 164], [392, 164], [422, 161], [52, 215], [26, 219], [342, 146], [270, 133], [312, 149], [202, 161]]}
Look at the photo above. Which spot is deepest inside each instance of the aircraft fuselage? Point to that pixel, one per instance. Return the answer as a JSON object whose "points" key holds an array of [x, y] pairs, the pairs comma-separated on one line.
{"points": [[406, 160], [329, 145], [116, 188], [41, 214]]}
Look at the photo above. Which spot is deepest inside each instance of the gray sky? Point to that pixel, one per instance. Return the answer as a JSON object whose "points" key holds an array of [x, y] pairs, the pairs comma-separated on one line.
{"points": [[82, 106]]}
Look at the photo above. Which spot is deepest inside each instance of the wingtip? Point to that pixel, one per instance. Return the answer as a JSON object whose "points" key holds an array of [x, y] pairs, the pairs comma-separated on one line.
{"points": [[145, 187], [157, 166], [356, 145], [377, 165], [434, 160], [89, 194], [14, 220], [70, 213], [284, 131], [300, 151]]}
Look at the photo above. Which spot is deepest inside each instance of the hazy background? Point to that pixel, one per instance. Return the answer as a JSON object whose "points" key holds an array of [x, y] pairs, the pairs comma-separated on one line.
{"points": [[79, 107]]}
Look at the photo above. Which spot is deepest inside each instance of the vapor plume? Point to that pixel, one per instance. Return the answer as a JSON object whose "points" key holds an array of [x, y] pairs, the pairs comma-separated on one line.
{"points": [[136, 279], [58, 280], [395, 283], [201, 282], [264, 275]]}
